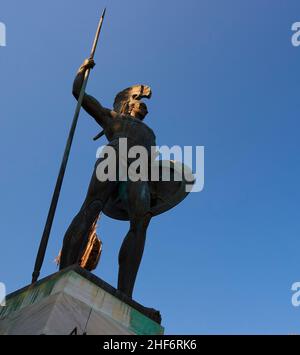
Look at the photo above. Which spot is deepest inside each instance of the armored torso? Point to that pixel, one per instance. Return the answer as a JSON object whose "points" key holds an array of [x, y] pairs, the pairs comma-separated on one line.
{"points": [[136, 131]]}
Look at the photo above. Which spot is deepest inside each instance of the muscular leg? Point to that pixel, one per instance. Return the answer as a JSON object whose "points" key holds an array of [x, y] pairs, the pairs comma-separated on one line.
{"points": [[131, 252], [76, 237]]}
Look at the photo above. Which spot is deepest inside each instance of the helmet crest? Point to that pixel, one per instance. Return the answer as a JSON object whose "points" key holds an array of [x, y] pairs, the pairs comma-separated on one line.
{"points": [[129, 96]]}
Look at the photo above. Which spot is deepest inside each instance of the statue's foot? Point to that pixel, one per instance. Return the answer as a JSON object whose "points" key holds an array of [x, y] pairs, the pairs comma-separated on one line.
{"points": [[152, 313], [147, 311]]}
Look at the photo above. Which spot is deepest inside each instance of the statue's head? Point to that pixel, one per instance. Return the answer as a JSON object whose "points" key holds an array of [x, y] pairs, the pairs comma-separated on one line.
{"points": [[128, 101]]}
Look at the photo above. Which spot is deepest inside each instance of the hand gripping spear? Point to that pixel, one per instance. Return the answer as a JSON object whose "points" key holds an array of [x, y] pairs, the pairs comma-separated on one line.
{"points": [[45, 237]]}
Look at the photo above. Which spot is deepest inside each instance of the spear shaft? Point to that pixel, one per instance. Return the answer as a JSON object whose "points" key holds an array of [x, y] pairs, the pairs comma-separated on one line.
{"points": [[47, 229]]}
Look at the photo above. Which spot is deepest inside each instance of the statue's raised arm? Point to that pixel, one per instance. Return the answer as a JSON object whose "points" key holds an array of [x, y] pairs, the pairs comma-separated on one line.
{"points": [[92, 106]]}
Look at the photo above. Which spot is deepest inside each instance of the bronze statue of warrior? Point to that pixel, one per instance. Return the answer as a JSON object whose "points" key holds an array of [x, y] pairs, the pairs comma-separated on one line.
{"points": [[135, 201]]}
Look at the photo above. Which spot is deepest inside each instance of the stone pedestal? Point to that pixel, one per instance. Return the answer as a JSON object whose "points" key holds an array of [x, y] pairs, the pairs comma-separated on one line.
{"points": [[74, 300]]}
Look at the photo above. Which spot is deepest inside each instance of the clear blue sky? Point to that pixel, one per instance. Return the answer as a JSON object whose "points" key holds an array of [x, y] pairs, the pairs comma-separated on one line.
{"points": [[224, 75]]}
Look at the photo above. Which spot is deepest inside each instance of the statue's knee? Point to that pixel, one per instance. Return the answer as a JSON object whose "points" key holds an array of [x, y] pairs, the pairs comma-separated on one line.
{"points": [[145, 219], [95, 207], [140, 223]]}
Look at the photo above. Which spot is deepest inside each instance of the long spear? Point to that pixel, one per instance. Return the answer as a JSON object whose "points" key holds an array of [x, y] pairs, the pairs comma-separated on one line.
{"points": [[47, 229]]}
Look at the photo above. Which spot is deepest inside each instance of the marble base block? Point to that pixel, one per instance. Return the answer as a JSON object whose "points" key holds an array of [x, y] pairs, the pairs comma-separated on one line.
{"points": [[75, 301]]}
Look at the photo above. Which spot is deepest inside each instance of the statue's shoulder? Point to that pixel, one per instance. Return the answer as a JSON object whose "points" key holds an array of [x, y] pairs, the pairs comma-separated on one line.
{"points": [[145, 127], [150, 131]]}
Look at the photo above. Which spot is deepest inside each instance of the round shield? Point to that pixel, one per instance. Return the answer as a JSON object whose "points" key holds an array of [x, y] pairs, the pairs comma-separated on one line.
{"points": [[169, 184]]}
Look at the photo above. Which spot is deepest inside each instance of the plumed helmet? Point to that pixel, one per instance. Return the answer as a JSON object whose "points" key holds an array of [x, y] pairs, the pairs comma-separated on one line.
{"points": [[131, 97]]}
